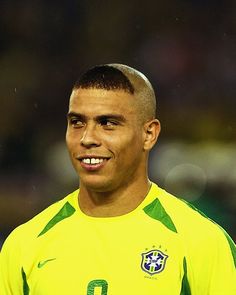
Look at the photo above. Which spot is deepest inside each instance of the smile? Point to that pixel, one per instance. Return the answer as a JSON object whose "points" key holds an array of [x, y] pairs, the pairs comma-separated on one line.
{"points": [[92, 163]]}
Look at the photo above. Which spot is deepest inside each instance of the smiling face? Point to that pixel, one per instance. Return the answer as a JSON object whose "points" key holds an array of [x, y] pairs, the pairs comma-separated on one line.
{"points": [[106, 139]]}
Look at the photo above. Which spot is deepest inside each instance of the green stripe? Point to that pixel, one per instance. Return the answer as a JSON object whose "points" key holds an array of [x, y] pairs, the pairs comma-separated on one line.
{"points": [[229, 239], [196, 209], [231, 245], [26, 289], [156, 211], [185, 290], [66, 211]]}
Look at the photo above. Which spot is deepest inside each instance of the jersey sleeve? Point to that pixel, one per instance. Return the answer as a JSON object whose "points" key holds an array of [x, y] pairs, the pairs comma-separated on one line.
{"points": [[223, 278], [11, 282], [212, 267]]}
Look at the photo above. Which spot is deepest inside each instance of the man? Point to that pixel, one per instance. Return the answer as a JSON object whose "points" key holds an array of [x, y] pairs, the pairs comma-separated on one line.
{"points": [[119, 234]]}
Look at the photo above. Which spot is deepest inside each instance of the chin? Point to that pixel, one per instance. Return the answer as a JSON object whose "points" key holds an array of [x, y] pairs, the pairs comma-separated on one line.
{"points": [[97, 184]]}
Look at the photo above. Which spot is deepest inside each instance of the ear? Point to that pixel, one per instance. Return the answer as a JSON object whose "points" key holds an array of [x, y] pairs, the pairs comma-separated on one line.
{"points": [[152, 130]]}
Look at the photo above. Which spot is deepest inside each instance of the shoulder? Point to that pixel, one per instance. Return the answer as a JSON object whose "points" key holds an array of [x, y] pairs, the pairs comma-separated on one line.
{"points": [[30, 230], [202, 239], [190, 223], [210, 253]]}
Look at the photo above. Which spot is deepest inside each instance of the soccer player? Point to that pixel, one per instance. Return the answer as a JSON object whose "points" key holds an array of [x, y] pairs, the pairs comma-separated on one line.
{"points": [[119, 233]]}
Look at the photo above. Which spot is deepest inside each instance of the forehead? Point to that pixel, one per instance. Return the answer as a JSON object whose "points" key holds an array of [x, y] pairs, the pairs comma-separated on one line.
{"points": [[99, 101]]}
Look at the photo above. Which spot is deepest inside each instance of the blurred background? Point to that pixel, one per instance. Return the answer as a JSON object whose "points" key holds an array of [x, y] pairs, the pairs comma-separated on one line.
{"points": [[186, 48]]}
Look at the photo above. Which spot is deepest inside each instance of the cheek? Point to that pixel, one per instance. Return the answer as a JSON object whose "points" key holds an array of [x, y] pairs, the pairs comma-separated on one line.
{"points": [[68, 141], [129, 147], [72, 143]]}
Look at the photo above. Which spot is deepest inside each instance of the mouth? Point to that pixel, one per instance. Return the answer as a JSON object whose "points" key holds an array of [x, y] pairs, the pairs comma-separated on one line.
{"points": [[92, 163]]}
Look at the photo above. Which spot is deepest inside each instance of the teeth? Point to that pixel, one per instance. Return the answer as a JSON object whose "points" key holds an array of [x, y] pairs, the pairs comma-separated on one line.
{"points": [[86, 161], [92, 161]]}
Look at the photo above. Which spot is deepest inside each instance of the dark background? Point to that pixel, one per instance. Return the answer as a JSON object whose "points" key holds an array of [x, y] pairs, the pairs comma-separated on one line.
{"points": [[186, 48]]}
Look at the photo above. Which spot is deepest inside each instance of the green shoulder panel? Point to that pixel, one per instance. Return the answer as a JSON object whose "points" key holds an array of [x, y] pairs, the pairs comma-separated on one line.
{"points": [[156, 211], [66, 211]]}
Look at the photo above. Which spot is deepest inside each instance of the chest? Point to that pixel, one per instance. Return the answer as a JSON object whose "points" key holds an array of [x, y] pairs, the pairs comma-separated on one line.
{"points": [[107, 258]]}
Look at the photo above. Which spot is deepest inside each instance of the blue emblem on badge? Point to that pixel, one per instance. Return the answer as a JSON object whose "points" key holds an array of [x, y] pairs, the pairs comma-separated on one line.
{"points": [[153, 261]]}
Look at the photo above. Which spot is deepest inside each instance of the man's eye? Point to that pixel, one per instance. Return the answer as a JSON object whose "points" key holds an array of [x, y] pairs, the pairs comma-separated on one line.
{"points": [[76, 122], [108, 123]]}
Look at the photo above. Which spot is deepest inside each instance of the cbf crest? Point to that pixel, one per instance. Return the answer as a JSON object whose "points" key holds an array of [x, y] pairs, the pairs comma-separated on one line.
{"points": [[153, 261]]}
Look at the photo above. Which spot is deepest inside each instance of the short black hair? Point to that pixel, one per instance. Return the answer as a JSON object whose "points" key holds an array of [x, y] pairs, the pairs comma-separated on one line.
{"points": [[104, 77]]}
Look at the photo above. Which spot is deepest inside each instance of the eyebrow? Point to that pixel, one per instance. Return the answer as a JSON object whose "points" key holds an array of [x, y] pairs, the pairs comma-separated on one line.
{"points": [[117, 117], [74, 114]]}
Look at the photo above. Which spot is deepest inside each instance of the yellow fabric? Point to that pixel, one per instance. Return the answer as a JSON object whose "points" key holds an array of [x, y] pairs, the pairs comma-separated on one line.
{"points": [[82, 255]]}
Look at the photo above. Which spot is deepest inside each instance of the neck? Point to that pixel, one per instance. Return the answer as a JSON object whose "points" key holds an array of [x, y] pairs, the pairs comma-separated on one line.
{"points": [[115, 202]]}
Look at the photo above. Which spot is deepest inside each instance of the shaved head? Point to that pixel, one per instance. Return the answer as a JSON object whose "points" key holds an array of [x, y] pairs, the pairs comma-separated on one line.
{"points": [[122, 77], [146, 99]]}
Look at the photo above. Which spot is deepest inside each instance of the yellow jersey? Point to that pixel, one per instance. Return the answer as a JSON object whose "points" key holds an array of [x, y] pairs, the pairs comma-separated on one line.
{"points": [[163, 247]]}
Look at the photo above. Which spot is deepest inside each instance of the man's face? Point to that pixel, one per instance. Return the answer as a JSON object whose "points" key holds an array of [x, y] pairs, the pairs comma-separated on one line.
{"points": [[105, 138]]}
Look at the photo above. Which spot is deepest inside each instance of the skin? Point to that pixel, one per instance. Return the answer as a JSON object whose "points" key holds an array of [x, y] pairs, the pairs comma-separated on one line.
{"points": [[106, 124]]}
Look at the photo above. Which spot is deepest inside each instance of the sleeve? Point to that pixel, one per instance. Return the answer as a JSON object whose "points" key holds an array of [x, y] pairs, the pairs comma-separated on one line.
{"points": [[11, 282], [223, 266], [212, 266]]}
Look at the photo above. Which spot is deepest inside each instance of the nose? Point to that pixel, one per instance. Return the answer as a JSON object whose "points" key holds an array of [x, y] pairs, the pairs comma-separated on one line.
{"points": [[90, 137]]}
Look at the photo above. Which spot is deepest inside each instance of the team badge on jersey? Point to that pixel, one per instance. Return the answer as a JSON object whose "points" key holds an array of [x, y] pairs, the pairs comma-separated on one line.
{"points": [[153, 261]]}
